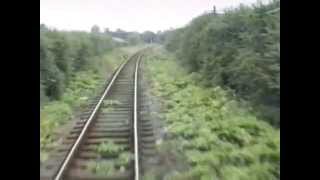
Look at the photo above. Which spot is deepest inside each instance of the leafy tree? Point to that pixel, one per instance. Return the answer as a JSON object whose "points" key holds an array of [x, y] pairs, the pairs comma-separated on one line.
{"points": [[148, 36], [50, 74], [239, 50], [107, 31], [95, 29], [64, 53], [82, 58], [60, 49]]}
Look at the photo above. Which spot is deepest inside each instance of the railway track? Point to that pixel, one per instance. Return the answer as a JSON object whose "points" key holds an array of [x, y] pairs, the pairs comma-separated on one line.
{"points": [[115, 118]]}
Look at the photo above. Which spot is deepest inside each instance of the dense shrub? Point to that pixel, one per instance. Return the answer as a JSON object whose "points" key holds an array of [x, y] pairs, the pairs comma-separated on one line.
{"points": [[239, 50]]}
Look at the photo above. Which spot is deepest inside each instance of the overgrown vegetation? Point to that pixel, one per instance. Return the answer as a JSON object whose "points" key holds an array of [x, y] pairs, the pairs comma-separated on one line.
{"points": [[73, 66], [105, 165], [83, 85], [102, 167], [218, 136], [239, 50], [109, 148], [63, 54]]}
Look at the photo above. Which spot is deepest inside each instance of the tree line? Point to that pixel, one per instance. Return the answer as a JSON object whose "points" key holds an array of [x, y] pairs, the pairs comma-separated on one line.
{"points": [[133, 37], [239, 50], [62, 54]]}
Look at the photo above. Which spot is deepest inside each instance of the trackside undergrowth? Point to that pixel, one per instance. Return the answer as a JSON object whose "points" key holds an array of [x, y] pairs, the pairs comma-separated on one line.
{"points": [[210, 132]]}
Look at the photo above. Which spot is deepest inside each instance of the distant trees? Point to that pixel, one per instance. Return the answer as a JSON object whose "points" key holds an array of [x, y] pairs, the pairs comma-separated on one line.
{"points": [[95, 29], [64, 53], [148, 36], [135, 37], [239, 50], [120, 34], [106, 31]]}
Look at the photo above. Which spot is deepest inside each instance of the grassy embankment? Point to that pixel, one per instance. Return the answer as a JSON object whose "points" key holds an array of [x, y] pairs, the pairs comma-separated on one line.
{"points": [[211, 134]]}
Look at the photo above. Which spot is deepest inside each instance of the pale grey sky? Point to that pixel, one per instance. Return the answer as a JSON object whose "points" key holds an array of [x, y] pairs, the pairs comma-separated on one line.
{"points": [[129, 15]]}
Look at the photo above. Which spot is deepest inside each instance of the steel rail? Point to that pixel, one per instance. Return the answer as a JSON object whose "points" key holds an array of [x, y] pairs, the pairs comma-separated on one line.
{"points": [[135, 121], [71, 153]]}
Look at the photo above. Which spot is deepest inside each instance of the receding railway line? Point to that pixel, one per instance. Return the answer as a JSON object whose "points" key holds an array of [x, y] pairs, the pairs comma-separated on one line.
{"points": [[123, 123]]}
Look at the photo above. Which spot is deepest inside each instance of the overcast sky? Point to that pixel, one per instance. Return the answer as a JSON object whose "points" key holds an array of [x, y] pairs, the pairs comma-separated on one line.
{"points": [[129, 15]]}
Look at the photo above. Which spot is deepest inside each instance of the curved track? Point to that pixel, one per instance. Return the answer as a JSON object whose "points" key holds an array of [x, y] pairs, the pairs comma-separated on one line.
{"points": [[115, 115]]}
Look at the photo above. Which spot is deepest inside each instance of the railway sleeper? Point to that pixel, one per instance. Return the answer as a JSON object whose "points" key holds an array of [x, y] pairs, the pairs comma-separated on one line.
{"points": [[93, 147], [87, 175], [103, 134]]}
